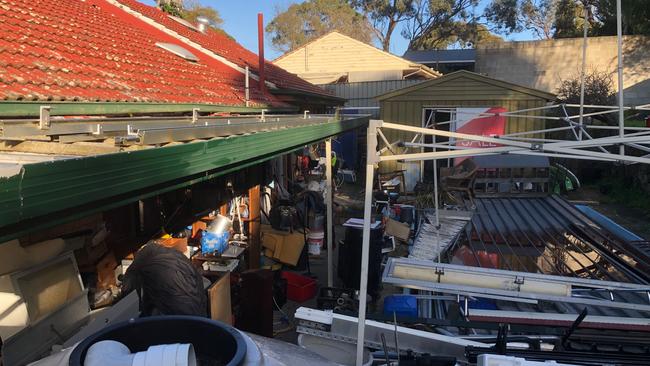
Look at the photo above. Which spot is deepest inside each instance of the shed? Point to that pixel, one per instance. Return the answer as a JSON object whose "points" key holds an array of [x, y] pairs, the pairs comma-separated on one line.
{"points": [[413, 105]]}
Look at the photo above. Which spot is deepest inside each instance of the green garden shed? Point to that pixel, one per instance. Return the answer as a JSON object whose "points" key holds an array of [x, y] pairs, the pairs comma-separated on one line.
{"points": [[438, 100]]}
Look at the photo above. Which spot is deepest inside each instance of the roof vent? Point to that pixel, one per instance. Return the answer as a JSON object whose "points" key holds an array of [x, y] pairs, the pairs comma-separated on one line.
{"points": [[202, 24], [178, 51]]}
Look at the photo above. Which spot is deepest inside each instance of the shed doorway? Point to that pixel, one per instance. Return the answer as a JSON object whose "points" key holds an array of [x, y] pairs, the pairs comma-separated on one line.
{"points": [[439, 118]]}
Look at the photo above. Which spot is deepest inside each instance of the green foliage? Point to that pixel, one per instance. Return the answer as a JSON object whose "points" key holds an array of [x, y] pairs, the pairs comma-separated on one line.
{"points": [[193, 9], [537, 16], [568, 22], [443, 23], [303, 22], [599, 90], [636, 17], [457, 34], [171, 8], [385, 15], [622, 190], [565, 18]]}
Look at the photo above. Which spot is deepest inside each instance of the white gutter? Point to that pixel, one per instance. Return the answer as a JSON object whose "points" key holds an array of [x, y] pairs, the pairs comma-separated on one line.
{"points": [[186, 40]]}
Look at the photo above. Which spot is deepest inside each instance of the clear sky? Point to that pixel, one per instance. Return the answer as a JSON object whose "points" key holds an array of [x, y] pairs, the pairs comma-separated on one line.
{"points": [[240, 21]]}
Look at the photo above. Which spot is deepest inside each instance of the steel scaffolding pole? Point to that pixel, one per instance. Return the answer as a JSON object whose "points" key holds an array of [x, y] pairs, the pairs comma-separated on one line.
{"points": [[371, 159], [619, 40], [328, 201]]}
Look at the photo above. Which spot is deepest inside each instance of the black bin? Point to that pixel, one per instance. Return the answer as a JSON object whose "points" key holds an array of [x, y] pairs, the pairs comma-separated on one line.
{"points": [[212, 340]]}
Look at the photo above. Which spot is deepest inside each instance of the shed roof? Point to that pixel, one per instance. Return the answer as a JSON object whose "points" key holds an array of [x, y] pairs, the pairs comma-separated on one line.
{"points": [[464, 74]]}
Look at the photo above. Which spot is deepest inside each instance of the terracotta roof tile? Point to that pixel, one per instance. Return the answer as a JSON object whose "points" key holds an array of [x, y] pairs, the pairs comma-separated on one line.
{"points": [[221, 44], [90, 50]]}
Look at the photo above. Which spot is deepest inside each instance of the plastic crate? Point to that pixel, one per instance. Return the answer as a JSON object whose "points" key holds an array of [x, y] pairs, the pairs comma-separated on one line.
{"points": [[402, 305], [299, 288]]}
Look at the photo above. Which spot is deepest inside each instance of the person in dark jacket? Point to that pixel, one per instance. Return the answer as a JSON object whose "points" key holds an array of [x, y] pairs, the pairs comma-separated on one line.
{"points": [[166, 281]]}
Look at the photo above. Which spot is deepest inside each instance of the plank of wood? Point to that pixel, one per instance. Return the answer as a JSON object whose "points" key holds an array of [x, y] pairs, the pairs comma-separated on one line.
{"points": [[254, 227], [219, 297]]}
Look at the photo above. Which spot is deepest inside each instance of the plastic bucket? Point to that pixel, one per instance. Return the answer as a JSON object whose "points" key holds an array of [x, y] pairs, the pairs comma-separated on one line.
{"points": [[213, 342], [315, 242]]}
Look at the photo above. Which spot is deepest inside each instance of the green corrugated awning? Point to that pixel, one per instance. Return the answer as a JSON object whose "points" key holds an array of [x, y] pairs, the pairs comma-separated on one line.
{"points": [[46, 193]]}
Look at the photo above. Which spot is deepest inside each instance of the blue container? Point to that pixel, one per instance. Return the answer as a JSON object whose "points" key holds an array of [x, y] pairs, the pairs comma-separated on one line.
{"points": [[214, 243], [402, 305]]}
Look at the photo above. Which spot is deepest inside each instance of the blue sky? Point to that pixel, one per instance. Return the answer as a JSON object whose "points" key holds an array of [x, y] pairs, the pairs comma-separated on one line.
{"points": [[240, 21]]}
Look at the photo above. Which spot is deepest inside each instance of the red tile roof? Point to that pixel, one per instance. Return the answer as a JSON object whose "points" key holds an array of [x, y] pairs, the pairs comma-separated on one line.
{"points": [[223, 45], [90, 50]]}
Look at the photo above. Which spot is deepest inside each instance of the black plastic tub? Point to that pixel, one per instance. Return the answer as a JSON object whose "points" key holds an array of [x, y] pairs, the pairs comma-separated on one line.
{"points": [[215, 343]]}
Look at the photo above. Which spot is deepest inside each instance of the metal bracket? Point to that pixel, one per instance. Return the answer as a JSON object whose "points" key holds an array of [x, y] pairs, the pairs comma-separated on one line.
{"points": [[439, 273], [44, 119], [305, 115], [195, 115], [130, 131], [519, 280], [99, 130]]}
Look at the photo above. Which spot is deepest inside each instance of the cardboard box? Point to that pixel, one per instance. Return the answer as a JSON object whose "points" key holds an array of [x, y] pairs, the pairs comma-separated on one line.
{"points": [[285, 246], [106, 272], [398, 229]]}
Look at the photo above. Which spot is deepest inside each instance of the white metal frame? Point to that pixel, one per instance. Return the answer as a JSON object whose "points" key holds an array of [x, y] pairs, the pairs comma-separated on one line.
{"points": [[638, 139]]}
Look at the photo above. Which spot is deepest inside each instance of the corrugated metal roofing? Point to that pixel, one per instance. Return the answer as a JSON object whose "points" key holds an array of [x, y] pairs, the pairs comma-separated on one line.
{"points": [[547, 235]]}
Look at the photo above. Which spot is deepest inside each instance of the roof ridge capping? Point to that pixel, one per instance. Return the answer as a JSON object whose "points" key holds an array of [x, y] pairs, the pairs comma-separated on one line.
{"points": [[471, 75]]}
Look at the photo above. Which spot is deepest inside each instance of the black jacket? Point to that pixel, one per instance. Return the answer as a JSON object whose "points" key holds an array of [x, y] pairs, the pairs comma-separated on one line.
{"points": [[166, 282]]}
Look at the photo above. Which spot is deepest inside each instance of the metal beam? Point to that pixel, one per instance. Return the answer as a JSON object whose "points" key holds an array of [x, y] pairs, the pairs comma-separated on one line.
{"points": [[365, 244], [32, 108], [328, 203], [90, 184], [22, 129], [340, 327], [516, 285]]}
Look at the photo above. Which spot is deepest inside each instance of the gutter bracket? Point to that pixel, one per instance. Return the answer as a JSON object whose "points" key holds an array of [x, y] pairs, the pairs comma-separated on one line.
{"points": [[44, 117], [195, 115], [130, 131], [99, 130]]}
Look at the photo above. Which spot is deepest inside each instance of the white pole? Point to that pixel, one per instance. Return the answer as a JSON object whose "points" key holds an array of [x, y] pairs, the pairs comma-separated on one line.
{"points": [[435, 194], [582, 71], [247, 88], [328, 202], [371, 158], [619, 39]]}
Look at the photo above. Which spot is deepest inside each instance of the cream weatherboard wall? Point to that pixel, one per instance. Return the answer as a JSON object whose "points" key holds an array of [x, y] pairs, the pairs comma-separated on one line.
{"points": [[334, 55]]}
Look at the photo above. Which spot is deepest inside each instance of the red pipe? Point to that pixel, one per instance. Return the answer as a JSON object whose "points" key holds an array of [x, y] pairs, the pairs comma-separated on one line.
{"points": [[260, 45]]}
